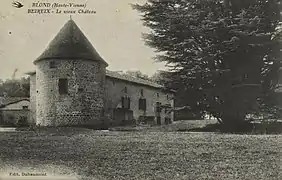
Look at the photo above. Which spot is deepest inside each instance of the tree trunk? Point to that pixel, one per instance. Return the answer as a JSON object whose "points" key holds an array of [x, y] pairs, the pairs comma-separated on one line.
{"points": [[233, 123], [233, 116]]}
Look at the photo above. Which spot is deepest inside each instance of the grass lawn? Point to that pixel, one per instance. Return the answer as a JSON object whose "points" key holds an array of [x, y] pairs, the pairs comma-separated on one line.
{"points": [[143, 155]]}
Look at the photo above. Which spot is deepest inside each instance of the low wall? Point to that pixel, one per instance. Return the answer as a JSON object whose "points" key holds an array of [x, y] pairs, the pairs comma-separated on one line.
{"points": [[14, 117]]}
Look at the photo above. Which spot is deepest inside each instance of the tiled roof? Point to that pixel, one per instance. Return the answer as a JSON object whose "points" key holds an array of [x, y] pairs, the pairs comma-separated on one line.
{"points": [[31, 73], [4, 101], [70, 43], [125, 77], [128, 78]]}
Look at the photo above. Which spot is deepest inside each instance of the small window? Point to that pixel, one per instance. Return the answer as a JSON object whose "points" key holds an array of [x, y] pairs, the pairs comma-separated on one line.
{"points": [[80, 89], [142, 92], [158, 95], [142, 104], [25, 107], [167, 97], [125, 90], [125, 102], [63, 86], [52, 64]]}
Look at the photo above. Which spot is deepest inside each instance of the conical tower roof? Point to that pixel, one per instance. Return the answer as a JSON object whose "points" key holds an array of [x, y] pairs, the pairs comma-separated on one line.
{"points": [[70, 43]]}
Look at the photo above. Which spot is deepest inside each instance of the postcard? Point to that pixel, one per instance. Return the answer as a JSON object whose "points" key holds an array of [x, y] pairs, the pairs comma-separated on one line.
{"points": [[140, 89]]}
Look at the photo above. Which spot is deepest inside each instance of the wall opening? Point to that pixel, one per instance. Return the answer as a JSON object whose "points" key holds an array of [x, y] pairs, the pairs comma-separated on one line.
{"points": [[158, 107], [142, 104], [63, 86], [125, 102], [52, 64], [158, 112]]}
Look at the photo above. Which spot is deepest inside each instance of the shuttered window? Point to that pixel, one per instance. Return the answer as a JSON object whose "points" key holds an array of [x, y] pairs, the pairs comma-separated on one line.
{"points": [[142, 104], [125, 102]]}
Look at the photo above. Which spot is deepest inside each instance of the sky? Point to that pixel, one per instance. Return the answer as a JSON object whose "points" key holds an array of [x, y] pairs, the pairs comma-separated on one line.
{"points": [[115, 31]]}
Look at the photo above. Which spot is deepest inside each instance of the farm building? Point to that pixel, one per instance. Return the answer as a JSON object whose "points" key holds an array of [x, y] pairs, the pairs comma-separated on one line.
{"points": [[71, 86], [14, 111]]}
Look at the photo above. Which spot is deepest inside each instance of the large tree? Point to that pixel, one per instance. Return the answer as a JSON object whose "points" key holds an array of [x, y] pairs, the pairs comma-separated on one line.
{"points": [[187, 100], [225, 51]]}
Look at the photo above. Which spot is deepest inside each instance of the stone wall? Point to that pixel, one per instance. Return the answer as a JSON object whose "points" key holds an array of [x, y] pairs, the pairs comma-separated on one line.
{"points": [[32, 92], [115, 89], [84, 102], [12, 117]]}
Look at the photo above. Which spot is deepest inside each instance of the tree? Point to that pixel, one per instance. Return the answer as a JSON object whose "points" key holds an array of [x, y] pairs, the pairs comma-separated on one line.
{"points": [[137, 74], [183, 100], [15, 87], [224, 52], [161, 77]]}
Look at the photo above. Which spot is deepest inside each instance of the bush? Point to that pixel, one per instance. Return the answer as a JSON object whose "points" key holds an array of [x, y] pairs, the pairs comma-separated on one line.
{"points": [[128, 122]]}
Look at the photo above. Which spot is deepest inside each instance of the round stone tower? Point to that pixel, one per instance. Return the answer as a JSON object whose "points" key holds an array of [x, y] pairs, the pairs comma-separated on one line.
{"points": [[70, 81]]}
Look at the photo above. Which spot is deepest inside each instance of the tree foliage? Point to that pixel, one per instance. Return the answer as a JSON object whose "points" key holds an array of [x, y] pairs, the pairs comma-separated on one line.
{"points": [[137, 74], [227, 53], [15, 87]]}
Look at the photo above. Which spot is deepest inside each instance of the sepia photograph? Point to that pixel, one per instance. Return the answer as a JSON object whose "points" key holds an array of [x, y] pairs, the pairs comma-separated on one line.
{"points": [[140, 90]]}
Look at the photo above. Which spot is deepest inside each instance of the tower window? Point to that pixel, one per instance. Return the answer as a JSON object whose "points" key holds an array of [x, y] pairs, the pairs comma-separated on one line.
{"points": [[158, 95], [52, 64], [167, 97], [125, 89], [63, 86]]}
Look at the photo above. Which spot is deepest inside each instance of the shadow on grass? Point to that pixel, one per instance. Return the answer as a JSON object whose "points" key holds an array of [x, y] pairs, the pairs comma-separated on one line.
{"points": [[246, 128]]}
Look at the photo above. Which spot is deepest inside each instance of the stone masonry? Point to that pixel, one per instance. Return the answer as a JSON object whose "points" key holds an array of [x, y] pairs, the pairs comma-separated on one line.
{"points": [[70, 58], [33, 98], [115, 90], [84, 102], [72, 87]]}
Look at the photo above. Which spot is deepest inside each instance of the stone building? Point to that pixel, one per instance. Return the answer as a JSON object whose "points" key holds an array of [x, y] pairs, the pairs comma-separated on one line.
{"points": [[71, 86]]}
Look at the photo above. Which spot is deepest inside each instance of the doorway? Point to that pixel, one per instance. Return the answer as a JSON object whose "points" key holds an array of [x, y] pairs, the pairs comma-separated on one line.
{"points": [[158, 113]]}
